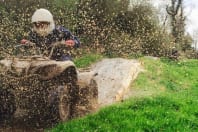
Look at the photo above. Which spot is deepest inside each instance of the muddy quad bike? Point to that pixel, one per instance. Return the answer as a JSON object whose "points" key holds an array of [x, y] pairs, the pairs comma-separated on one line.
{"points": [[44, 89]]}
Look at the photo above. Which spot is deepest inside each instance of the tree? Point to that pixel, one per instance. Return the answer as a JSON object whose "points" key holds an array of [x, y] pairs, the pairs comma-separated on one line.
{"points": [[176, 13], [195, 41], [95, 18]]}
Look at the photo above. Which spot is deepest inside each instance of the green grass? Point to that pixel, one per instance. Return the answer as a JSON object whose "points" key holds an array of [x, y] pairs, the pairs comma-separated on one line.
{"points": [[173, 105], [87, 60]]}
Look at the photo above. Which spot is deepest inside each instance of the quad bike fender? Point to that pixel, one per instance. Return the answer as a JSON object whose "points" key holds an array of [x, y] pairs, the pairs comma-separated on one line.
{"points": [[86, 77], [50, 68], [14, 65], [46, 68]]}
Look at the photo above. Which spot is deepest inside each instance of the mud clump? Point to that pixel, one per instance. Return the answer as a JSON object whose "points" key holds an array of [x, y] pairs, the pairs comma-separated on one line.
{"points": [[28, 102]]}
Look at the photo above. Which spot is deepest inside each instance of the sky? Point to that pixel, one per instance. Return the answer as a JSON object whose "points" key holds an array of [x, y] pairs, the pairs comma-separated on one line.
{"points": [[190, 9]]}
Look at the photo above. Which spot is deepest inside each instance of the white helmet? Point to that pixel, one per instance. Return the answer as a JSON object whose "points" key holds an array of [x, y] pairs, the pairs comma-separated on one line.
{"points": [[43, 15]]}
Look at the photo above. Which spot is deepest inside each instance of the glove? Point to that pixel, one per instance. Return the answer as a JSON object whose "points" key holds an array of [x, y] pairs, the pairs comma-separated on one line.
{"points": [[24, 41], [70, 43]]}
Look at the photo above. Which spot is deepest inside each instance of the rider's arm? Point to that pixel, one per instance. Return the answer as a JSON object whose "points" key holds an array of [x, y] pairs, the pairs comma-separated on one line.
{"points": [[30, 39], [70, 39]]}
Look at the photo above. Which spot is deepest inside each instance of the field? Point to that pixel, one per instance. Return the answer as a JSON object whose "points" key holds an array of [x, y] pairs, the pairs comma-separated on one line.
{"points": [[164, 98]]}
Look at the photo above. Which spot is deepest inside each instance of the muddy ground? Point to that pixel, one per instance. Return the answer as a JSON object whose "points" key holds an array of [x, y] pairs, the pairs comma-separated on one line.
{"points": [[23, 122], [20, 124]]}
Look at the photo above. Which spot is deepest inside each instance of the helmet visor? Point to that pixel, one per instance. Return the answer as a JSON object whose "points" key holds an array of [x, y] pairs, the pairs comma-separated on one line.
{"points": [[41, 24]]}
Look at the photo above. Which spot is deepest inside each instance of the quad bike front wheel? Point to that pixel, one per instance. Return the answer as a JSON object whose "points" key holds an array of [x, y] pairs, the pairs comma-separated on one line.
{"points": [[7, 105], [63, 103], [67, 94], [57, 109], [64, 96]]}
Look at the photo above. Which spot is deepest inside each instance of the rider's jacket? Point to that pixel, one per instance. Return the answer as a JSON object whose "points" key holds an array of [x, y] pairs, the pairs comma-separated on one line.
{"points": [[58, 34]]}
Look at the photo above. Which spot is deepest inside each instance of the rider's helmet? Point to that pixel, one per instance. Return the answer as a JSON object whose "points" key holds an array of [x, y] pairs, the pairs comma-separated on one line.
{"points": [[43, 22]]}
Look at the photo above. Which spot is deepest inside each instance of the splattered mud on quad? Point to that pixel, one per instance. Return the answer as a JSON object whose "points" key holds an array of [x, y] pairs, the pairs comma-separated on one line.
{"points": [[45, 90]]}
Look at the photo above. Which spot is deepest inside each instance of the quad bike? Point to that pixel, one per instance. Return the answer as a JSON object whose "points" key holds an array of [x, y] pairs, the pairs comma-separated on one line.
{"points": [[45, 89]]}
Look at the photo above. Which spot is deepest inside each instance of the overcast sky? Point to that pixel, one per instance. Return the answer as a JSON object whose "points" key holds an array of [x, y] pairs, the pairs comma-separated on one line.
{"points": [[191, 11]]}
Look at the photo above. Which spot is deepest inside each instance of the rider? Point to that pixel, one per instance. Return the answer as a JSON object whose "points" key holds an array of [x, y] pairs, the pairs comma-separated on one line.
{"points": [[44, 33]]}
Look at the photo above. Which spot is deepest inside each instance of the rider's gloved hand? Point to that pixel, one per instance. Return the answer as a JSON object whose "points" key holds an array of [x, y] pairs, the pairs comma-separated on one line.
{"points": [[24, 41], [70, 43]]}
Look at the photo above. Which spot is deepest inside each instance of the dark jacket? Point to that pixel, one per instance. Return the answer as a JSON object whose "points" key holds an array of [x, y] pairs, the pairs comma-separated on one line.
{"points": [[58, 34]]}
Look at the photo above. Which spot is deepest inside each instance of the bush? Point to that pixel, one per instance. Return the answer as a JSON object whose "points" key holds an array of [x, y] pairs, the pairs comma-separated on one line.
{"points": [[122, 44], [141, 24], [106, 26], [95, 19]]}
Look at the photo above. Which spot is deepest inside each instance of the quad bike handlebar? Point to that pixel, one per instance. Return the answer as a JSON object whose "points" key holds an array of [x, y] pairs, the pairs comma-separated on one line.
{"points": [[46, 53]]}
